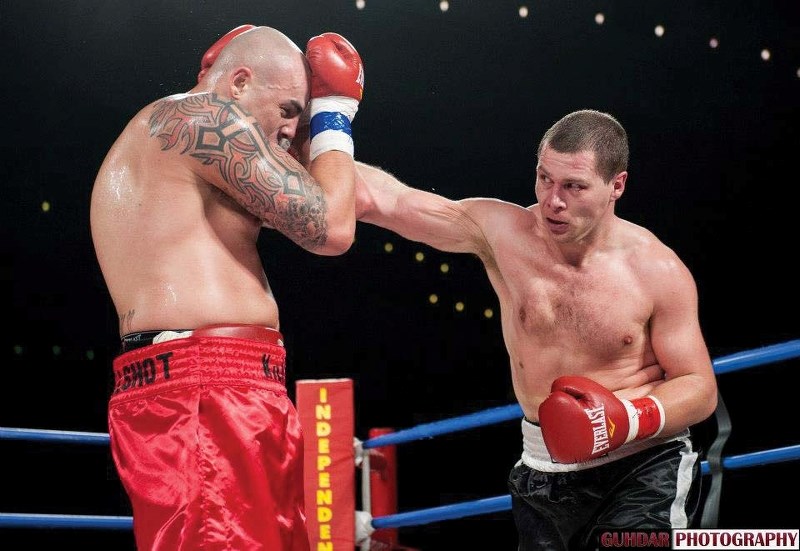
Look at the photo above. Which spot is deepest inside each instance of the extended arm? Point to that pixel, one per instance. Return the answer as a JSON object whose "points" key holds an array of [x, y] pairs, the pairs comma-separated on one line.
{"points": [[452, 226]]}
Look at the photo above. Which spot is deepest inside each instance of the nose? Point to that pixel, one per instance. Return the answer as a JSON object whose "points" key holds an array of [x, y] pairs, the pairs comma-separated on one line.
{"points": [[288, 130], [554, 200]]}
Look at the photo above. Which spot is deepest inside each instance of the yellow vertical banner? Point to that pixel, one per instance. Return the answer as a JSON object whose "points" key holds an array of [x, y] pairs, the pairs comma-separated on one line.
{"points": [[326, 414]]}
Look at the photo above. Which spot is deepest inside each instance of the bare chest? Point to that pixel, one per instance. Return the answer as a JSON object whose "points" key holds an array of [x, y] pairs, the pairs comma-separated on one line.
{"points": [[601, 312]]}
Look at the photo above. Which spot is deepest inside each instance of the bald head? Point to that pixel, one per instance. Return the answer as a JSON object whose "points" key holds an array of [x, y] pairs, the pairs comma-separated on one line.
{"points": [[265, 51], [268, 77]]}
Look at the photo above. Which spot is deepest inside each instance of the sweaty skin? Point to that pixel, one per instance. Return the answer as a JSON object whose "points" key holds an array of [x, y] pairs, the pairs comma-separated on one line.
{"points": [[581, 291], [180, 199]]}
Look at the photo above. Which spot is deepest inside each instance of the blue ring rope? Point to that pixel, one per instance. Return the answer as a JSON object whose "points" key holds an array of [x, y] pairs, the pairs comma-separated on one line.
{"points": [[724, 364], [63, 436], [24, 520], [503, 503]]}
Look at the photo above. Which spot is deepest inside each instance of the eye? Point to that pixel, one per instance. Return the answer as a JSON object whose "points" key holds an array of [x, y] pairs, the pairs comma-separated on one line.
{"points": [[290, 110]]}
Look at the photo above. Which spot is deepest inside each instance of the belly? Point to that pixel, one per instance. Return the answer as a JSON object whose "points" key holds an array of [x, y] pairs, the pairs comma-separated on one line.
{"points": [[185, 294], [627, 367]]}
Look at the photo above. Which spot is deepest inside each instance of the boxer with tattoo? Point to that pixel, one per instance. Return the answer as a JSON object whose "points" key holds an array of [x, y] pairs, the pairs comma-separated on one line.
{"points": [[205, 439]]}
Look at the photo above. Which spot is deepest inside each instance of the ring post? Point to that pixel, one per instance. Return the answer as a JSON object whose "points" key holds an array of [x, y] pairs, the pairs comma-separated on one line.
{"points": [[383, 487], [326, 411]]}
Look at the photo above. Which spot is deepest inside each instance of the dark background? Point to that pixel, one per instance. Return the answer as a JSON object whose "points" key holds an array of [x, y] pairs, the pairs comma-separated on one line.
{"points": [[454, 102]]}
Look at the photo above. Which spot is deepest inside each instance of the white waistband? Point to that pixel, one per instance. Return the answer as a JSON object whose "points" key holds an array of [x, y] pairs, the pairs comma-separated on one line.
{"points": [[536, 456], [165, 336]]}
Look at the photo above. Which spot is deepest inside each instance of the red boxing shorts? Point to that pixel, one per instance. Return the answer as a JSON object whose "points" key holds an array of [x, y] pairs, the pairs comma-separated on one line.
{"points": [[208, 444]]}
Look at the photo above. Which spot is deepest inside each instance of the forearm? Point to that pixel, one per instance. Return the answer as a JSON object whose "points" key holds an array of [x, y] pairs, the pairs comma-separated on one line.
{"points": [[687, 400], [417, 215], [376, 193], [382, 200], [582, 420], [335, 173]]}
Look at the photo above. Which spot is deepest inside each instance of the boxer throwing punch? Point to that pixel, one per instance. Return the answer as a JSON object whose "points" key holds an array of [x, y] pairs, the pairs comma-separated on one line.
{"points": [[205, 439], [600, 320]]}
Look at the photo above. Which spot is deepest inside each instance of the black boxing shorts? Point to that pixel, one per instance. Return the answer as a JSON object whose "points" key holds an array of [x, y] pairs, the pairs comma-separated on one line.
{"points": [[649, 488]]}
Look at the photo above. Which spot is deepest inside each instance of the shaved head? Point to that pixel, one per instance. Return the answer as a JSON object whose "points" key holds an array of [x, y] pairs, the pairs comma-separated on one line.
{"points": [[269, 78], [267, 52]]}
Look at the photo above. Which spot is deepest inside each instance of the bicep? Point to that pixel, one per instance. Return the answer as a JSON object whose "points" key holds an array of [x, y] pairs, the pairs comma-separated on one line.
{"points": [[675, 330], [452, 226]]}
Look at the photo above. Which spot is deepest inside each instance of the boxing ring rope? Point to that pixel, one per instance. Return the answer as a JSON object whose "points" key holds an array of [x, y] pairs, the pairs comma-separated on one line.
{"points": [[726, 364], [503, 502], [60, 436]]}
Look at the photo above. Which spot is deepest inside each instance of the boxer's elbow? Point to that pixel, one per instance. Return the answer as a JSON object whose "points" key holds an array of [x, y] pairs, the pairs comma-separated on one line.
{"points": [[336, 247], [710, 401], [339, 237], [706, 397]]}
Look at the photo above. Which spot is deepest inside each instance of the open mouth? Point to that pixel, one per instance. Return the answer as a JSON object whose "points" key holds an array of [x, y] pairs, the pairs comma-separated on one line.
{"points": [[557, 226]]}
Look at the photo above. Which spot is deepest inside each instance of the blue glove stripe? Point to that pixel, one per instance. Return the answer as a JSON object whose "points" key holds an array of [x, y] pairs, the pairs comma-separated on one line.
{"points": [[327, 120]]}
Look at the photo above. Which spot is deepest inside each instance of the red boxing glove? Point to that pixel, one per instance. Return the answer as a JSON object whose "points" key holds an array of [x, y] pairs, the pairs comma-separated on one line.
{"points": [[336, 68], [582, 420], [212, 53], [337, 85]]}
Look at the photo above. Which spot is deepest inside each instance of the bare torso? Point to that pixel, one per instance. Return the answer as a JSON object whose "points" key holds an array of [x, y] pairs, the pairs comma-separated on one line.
{"points": [[176, 253], [581, 291], [590, 319]]}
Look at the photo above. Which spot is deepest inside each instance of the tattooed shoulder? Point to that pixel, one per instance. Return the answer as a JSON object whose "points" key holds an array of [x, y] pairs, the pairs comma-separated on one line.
{"points": [[256, 173]]}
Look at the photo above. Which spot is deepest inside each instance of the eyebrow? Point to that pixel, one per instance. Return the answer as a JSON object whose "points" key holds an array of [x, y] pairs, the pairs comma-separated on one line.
{"points": [[569, 179]]}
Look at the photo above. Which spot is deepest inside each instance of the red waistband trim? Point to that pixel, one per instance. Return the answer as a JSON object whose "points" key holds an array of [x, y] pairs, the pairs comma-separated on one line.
{"points": [[201, 359], [241, 331]]}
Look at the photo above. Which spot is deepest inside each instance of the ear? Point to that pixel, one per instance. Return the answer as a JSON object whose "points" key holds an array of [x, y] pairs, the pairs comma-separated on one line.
{"points": [[240, 78], [618, 185]]}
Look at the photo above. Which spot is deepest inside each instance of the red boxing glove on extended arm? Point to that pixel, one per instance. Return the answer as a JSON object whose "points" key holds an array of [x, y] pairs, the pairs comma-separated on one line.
{"points": [[582, 420], [212, 53], [337, 85]]}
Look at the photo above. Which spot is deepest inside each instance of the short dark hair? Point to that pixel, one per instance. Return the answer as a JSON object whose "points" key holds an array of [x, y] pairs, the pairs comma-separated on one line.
{"points": [[590, 130]]}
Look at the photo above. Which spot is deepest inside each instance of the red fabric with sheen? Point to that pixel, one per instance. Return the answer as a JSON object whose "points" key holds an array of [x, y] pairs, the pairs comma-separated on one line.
{"points": [[208, 446]]}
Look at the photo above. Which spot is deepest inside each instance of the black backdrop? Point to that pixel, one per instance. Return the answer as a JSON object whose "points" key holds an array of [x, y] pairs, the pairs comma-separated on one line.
{"points": [[455, 102]]}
